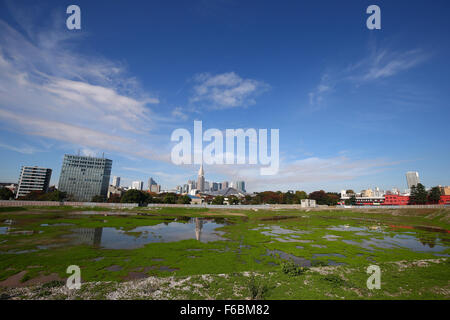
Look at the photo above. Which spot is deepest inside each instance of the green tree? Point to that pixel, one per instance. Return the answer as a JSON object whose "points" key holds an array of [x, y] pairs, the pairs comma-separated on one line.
{"points": [[332, 199], [184, 200], [218, 200], [6, 194], [353, 200], [55, 195], [98, 198], [435, 195], [233, 200], [114, 198], [319, 196], [135, 196], [299, 196], [170, 198], [418, 194], [34, 195]]}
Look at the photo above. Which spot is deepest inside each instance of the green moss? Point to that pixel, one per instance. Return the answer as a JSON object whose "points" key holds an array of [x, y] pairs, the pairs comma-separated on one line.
{"points": [[246, 249]]}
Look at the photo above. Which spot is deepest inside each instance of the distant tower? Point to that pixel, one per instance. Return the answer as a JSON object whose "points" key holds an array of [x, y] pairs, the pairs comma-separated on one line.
{"points": [[151, 183], [412, 178], [116, 182], [198, 228], [201, 179]]}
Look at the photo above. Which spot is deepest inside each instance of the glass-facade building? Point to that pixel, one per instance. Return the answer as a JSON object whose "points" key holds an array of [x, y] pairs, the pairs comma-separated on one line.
{"points": [[84, 177], [412, 178]]}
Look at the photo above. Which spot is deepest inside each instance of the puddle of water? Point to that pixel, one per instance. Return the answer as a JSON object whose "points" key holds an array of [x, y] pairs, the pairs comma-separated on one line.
{"points": [[3, 230], [164, 268], [318, 246], [23, 232], [346, 228], [302, 262], [286, 240], [334, 263], [400, 241], [331, 237], [200, 229], [114, 268], [423, 228], [317, 255], [277, 230]]}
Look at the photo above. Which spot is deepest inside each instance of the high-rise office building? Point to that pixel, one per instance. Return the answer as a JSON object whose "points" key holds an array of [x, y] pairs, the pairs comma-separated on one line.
{"points": [[239, 185], [151, 183], [201, 179], [412, 178], [224, 185], [84, 177], [33, 179], [155, 188], [137, 185], [116, 182]]}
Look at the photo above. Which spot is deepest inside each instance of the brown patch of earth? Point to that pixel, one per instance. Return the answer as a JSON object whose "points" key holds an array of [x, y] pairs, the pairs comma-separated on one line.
{"points": [[133, 275], [14, 280]]}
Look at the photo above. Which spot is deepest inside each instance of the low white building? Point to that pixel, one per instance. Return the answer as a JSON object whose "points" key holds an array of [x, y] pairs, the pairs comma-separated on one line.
{"points": [[308, 203]]}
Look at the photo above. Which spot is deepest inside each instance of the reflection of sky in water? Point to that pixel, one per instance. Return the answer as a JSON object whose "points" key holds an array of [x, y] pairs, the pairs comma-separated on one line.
{"points": [[112, 238], [277, 231], [399, 241], [3, 230]]}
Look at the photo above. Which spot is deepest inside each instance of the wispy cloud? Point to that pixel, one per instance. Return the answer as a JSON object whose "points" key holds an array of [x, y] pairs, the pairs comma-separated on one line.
{"points": [[384, 63], [49, 90], [179, 113], [380, 64], [21, 149], [226, 90]]}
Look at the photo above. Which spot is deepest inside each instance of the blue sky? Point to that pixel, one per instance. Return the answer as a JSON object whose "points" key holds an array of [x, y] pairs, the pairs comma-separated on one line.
{"points": [[356, 108]]}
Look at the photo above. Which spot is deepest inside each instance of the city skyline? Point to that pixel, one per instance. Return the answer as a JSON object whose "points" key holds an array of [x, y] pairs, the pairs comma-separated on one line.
{"points": [[345, 101], [412, 178]]}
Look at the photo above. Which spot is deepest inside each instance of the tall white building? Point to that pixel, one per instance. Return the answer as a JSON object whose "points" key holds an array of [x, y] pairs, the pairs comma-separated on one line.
{"points": [[201, 179], [137, 185], [33, 179], [412, 178], [116, 182]]}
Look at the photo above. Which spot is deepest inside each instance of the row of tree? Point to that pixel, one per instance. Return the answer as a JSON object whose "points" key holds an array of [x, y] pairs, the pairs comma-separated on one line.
{"points": [[419, 195], [54, 195]]}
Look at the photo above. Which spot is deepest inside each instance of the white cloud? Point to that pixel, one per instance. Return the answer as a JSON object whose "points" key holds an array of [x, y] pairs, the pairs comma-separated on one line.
{"points": [[179, 113], [297, 174], [48, 90], [226, 90], [21, 149], [378, 65]]}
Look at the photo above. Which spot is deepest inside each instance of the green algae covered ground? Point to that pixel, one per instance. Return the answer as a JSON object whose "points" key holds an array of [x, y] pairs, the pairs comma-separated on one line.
{"points": [[328, 250]]}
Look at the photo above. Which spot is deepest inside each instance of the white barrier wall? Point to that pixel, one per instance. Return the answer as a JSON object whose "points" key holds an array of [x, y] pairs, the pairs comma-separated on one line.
{"points": [[21, 203]]}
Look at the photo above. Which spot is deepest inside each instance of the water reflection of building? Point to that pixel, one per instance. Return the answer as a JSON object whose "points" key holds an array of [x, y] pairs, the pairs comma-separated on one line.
{"points": [[90, 236], [198, 228]]}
